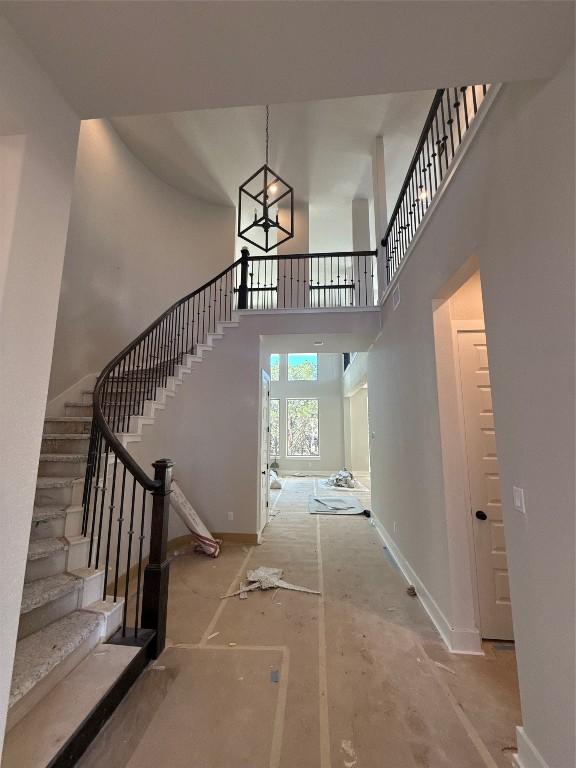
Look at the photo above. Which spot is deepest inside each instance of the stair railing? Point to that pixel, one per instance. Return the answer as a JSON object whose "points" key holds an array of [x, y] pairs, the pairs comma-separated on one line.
{"points": [[308, 280], [125, 510], [450, 116]]}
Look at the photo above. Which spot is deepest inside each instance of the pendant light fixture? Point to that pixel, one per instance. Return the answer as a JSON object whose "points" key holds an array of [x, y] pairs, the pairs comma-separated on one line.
{"points": [[259, 220]]}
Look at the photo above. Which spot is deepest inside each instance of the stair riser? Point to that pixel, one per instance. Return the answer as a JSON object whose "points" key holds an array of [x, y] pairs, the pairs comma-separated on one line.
{"points": [[77, 410], [66, 446], [54, 528], [46, 566], [61, 468], [40, 617], [52, 427], [69, 524], [68, 496]]}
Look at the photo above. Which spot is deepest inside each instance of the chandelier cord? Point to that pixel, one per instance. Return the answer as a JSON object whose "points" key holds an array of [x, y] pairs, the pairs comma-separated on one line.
{"points": [[267, 130]]}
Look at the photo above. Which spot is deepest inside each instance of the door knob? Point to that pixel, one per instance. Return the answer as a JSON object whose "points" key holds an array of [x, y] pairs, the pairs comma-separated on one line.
{"points": [[481, 515]]}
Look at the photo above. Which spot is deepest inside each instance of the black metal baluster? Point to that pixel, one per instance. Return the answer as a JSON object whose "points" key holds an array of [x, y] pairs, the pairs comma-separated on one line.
{"points": [[457, 111], [102, 497], [464, 92], [110, 524], [140, 548], [129, 558], [119, 536]]}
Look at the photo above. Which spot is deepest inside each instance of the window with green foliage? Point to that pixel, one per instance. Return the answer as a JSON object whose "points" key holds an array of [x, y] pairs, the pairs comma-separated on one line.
{"points": [[275, 367], [303, 438], [274, 427], [303, 367]]}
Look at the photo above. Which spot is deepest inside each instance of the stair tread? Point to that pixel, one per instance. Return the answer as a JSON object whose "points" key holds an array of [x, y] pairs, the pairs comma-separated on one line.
{"points": [[38, 738], [69, 418], [43, 591], [65, 435], [65, 457], [39, 548], [38, 654], [78, 403], [47, 513]]}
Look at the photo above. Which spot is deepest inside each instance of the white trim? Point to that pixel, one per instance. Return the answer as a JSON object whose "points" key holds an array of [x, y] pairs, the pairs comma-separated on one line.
{"points": [[465, 641], [307, 310], [459, 155], [527, 755]]}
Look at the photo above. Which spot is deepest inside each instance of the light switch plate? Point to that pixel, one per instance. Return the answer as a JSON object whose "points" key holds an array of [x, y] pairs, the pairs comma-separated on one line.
{"points": [[518, 496]]}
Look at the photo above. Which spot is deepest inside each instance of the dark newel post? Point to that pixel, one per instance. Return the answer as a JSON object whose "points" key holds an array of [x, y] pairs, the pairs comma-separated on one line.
{"points": [[386, 261], [243, 290], [155, 593]]}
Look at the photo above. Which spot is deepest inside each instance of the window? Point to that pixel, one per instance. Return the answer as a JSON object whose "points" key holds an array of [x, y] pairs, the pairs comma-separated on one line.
{"points": [[303, 367], [274, 427], [275, 367], [302, 427]]}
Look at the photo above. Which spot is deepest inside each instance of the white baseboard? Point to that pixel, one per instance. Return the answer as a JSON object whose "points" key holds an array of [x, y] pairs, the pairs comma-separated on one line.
{"points": [[55, 407], [527, 756], [457, 640]]}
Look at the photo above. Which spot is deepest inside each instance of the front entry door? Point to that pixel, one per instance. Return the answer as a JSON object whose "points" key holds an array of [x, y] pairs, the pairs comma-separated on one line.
{"points": [[264, 450], [484, 480]]}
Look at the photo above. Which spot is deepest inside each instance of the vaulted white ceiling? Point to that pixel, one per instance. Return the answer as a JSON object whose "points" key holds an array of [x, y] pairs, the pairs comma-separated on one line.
{"points": [[323, 148]]}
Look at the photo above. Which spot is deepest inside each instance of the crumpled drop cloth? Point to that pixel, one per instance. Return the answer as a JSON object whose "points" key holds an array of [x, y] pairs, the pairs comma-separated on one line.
{"points": [[267, 578]]}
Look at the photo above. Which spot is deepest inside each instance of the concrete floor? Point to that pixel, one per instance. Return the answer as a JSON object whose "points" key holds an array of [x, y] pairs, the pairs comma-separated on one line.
{"points": [[356, 678]]}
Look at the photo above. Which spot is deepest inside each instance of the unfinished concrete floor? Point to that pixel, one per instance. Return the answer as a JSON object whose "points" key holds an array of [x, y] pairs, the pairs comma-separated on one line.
{"points": [[357, 678]]}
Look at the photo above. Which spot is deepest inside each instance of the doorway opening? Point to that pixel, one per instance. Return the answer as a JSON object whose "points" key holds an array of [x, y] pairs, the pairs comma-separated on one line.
{"points": [[480, 586], [314, 424]]}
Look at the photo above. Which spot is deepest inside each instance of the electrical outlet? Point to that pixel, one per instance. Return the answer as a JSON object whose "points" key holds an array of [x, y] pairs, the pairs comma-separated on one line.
{"points": [[230, 514], [518, 497]]}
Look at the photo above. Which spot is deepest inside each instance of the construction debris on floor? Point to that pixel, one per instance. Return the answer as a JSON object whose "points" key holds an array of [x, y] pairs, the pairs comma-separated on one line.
{"points": [[266, 578], [342, 479], [191, 519], [334, 505]]}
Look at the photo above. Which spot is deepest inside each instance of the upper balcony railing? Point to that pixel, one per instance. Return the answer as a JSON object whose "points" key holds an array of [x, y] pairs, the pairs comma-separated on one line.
{"points": [[452, 112], [314, 280]]}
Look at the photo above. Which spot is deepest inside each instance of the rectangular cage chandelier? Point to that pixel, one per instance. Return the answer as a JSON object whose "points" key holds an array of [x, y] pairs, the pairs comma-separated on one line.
{"points": [[259, 198]]}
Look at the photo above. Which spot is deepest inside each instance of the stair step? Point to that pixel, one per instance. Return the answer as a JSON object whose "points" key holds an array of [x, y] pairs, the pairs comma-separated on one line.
{"points": [[77, 409], [65, 443], [62, 464], [43, 514], [44, 732], [59, 491], [42, 591], [43, 652], [40, 548], [67, 425]]}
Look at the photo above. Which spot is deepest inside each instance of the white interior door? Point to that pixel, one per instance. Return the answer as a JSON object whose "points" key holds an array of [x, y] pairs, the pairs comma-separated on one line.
{"points": [[484, 480], [264, 449]]}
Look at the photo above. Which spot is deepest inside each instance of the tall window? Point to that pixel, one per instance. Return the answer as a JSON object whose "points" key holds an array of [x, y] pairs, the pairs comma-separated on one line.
{"points": [[275, 367], [274, 427], [303, 438], [303, 367]]}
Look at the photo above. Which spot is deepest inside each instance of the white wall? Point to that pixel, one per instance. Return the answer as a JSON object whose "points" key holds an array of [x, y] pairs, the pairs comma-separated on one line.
{"points": [[328, 390], [211, 428], [511, 205], [359, 444], [135, 246], [38, 137]]}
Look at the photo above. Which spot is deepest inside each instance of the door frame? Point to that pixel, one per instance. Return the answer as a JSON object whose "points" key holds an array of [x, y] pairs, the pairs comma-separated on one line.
{"points": [[466, 636], [264, 393]]}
